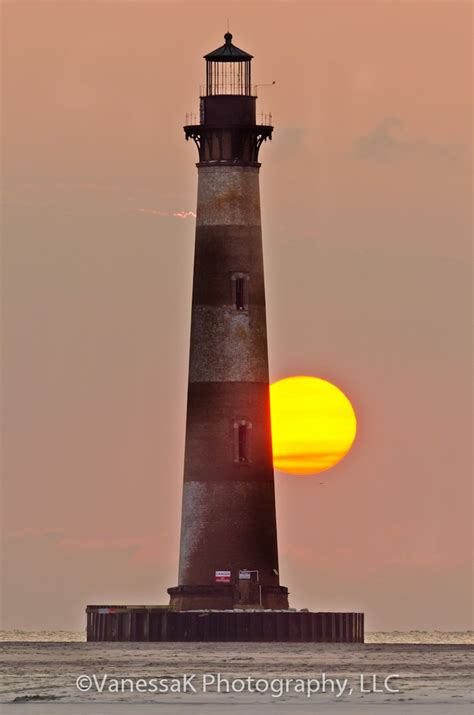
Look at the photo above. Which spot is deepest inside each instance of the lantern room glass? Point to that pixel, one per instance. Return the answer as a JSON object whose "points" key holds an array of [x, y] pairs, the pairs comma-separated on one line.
{"points": [[228, 77]]}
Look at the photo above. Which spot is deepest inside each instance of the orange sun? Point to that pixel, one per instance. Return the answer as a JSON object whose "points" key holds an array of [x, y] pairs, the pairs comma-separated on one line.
{"points": [[313, 425]]}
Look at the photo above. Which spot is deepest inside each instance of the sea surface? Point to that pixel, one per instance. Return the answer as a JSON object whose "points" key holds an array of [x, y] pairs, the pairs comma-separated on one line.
{"points": [[432, 672]]}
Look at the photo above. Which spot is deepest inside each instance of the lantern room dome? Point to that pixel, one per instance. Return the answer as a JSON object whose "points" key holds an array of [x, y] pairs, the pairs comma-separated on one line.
{"points": [[228, 52]]}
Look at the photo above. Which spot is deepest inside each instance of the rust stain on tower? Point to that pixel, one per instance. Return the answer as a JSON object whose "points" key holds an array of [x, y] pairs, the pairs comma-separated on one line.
{"points": [[228, 583]]}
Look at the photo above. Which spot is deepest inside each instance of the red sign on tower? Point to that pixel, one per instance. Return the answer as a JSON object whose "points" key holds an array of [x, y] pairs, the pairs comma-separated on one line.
{"points": [[222, 577]]}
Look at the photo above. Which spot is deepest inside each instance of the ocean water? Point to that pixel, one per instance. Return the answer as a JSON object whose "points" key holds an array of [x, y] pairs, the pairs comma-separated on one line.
{"points": [[431, 672]]}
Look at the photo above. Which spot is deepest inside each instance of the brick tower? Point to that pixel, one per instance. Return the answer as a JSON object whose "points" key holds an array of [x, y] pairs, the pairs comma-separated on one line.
{"points": [[228, 553]]}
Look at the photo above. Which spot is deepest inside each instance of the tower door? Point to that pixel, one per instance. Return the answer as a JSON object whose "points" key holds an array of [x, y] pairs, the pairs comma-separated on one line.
{"points": [[249, 588]]}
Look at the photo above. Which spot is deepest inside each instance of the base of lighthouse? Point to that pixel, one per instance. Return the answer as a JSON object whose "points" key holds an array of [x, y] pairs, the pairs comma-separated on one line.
{"points": [[227, 596], [163, 624]]}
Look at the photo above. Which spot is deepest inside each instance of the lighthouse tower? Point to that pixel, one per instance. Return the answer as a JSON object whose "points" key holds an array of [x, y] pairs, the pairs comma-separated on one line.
{"points": [[228, 583], [228, 551]]}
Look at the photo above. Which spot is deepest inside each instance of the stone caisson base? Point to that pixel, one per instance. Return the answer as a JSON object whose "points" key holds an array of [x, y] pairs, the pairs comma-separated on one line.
{"points": [[225, 596], [160, 623]]}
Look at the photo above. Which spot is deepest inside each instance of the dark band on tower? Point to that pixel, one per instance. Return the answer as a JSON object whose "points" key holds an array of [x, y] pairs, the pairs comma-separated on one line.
{"points": [[228, 510]]}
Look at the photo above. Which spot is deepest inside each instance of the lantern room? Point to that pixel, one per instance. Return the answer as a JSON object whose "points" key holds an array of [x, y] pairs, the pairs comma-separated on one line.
{"points": [[228, 70]]}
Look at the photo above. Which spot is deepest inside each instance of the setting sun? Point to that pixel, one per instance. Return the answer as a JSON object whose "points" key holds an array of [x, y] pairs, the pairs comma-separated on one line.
{"points": [[313, 425]]}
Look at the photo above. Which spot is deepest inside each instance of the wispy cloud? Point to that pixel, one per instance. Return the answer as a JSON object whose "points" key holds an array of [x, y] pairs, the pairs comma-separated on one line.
{"points": [[157, 212], [34, 534], [57, 544], [388, 141], [64, 541]]}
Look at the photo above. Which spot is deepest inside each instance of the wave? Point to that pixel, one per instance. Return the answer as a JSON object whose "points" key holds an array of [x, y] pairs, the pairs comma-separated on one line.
{"points": [[373, 637], [35, 698]]}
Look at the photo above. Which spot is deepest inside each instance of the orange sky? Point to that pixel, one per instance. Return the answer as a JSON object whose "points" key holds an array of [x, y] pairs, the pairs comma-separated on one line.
{"points": [[366, 216]]}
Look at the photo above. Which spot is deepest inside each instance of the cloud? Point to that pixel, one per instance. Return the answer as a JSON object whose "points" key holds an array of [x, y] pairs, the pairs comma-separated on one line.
{"points": [[140, 549], [68, 543], [290, 142], [103, 544], [50, 534], [387, 141], [156, 212]]}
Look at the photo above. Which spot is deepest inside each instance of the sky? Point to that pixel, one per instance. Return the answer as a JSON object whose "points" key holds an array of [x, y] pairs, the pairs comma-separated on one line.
{"points": [[366, 212]]}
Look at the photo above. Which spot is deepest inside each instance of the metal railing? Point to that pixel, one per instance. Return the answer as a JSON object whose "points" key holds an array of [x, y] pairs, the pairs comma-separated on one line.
{"points": [[194, 118], [225, 89], [265, 118]]}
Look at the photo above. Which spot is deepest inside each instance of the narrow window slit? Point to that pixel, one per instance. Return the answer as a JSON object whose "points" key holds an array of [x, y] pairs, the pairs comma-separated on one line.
{"points": [[240, 291], [242, 446], [243, 456], [239, 294]]}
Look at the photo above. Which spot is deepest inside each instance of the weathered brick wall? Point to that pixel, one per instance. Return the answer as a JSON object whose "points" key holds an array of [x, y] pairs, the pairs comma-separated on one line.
{"points": [[228, 513]]}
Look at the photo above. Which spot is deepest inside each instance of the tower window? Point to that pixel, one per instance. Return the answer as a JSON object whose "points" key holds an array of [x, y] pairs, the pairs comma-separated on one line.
{"points": [[239, 294], [240, 290], [242, 441]]}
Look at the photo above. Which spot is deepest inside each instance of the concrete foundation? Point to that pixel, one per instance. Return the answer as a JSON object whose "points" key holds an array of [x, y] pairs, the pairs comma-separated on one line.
{"points": [[161, 624]]}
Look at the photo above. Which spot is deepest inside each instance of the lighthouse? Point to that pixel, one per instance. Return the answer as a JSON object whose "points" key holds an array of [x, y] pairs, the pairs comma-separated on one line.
{"points": [[228, 582], [228, 549]]}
